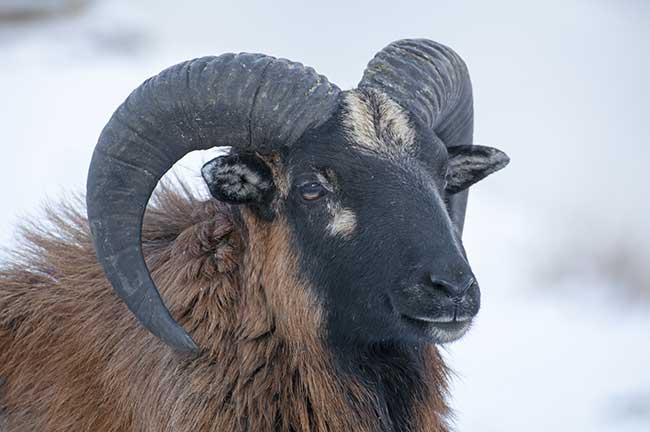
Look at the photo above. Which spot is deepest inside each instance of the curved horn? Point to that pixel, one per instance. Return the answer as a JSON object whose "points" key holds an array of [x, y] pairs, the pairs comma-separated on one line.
{"points": [[248, 101], [432, 83]]}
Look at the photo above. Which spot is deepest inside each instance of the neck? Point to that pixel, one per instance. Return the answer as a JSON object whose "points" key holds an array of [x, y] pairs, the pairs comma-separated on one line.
{"points": [[277, 384], [406, 383]]}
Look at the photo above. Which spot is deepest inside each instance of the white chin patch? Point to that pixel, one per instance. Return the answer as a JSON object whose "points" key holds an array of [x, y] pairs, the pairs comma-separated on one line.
{"points": [[343, 222], [442, 336]]}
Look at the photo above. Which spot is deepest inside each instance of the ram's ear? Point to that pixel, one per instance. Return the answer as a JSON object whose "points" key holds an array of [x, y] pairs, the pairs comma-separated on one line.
{"points": [[471, 163], [240, 179]]}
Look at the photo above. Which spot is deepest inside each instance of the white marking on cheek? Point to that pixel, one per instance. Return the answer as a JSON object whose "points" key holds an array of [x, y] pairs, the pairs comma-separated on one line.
{"points": [[343, 222]]}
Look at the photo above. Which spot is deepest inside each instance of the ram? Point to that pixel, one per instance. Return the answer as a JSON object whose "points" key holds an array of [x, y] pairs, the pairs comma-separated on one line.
{"points": [[308, 293]]}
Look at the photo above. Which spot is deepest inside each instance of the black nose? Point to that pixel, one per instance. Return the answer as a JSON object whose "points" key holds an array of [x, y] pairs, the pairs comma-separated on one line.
{"points": [[452, 289]]}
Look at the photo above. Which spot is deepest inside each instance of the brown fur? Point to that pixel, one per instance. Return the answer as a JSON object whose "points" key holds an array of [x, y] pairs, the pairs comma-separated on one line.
{"points": [[72, 356]]}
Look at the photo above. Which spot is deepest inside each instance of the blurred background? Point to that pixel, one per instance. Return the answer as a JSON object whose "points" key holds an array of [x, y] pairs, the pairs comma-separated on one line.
{"points": [[559, 240]]}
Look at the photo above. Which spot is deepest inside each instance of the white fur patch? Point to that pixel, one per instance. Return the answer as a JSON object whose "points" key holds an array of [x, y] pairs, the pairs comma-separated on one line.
{"points": [[377, 124], [343, 223]]}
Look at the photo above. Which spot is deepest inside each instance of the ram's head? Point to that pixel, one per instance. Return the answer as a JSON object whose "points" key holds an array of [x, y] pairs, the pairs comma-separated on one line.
{"points": [[371, 182]]}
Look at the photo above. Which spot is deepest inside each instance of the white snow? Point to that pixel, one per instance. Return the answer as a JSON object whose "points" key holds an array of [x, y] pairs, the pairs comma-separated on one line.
{"points": [[559, 240]]}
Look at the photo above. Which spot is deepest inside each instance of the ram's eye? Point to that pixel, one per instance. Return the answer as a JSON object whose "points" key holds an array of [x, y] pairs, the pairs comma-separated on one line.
{"points": [[312, 191]]}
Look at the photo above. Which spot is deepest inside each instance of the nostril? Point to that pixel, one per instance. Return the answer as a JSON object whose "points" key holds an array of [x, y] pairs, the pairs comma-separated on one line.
{"points": [[451, 288]]}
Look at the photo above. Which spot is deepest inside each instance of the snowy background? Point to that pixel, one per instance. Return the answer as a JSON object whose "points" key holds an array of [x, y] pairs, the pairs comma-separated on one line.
{"points": [[559, 240]]}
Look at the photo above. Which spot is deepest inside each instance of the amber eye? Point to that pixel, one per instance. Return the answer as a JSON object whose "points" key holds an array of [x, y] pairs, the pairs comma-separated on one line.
{"points": [[312, 191]]}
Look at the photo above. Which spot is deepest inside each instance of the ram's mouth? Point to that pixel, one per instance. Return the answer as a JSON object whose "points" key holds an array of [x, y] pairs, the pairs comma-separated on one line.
{"points": [[440, 329]]}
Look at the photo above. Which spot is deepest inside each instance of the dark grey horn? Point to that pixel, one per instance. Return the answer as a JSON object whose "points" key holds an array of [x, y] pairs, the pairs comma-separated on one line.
{"points": [[252, 102], [432, 83]]}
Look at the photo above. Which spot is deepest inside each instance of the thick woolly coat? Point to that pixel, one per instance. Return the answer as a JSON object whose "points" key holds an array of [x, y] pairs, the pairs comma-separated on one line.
{"points": [[72, 357]]}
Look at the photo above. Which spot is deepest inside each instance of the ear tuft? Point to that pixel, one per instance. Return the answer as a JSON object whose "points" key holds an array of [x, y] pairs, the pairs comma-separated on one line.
{"points": [[239, 179], [470, 163]]}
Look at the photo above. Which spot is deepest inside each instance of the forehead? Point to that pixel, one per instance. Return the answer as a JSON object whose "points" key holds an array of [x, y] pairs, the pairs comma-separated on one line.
{"points": [[369, 128], [376, 125]]}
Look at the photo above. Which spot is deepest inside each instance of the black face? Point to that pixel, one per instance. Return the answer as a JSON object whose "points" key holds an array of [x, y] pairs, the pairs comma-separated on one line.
{"points": [[372, 230], [376, 239]]}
